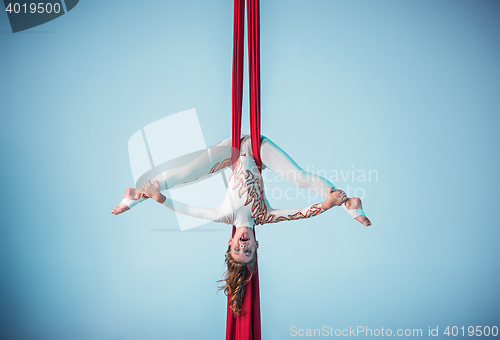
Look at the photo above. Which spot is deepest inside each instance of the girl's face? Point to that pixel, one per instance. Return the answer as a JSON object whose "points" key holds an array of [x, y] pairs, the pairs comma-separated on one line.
{"points": [[243, 245]]}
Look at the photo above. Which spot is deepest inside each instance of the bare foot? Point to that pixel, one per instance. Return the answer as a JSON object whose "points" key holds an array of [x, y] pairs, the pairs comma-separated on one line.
{"points": [[131, 194], [355, 203]]}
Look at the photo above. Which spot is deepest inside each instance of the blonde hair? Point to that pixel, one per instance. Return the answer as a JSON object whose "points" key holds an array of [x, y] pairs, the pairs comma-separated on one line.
{"points": [[234, 281]]}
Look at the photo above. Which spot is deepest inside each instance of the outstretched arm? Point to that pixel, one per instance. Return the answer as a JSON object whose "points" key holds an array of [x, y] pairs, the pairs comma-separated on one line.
{"points": [[279, 215], [335, 197], [152, 190]]}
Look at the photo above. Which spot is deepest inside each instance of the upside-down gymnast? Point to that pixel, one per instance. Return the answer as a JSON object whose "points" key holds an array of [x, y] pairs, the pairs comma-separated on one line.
{"points": [[245, 203]]}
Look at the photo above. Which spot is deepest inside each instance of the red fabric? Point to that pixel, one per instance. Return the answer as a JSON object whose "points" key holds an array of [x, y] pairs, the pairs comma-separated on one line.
{"points": [[246, 326], [253, 21], [237, 82]]}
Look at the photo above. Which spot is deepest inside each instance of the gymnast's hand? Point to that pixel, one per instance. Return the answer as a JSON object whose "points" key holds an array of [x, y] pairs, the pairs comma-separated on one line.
{"points": [[152, 189], [335, 198]]}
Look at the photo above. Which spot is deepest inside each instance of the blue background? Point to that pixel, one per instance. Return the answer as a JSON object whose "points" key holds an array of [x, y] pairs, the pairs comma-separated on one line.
{"points": [[406, 88]]}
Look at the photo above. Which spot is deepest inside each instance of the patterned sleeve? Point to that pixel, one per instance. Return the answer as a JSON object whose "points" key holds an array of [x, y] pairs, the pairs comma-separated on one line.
{"points": [[278, 215], [214, 215]]}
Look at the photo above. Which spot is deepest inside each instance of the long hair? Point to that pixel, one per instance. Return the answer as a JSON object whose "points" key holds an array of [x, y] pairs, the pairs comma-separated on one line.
{"points": [[236, 277]]}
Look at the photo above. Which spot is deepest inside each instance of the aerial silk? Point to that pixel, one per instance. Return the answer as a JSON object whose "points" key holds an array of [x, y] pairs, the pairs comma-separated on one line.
{"points": [[246, 326], [254, 75]]}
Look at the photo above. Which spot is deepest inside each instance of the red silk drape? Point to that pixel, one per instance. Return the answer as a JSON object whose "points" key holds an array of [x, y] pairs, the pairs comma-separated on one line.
{"points": [[247, 325], [253, 27], [237, 81]]}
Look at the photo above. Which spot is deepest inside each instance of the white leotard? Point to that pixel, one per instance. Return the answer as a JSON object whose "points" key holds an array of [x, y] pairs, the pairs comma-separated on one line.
{"points": [[234, 210], [245, 203]]}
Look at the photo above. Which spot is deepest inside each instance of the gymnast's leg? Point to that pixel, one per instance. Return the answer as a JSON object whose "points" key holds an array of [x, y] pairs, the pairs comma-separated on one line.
{"points": [[278, 161], [210, 162], [215, 159]]}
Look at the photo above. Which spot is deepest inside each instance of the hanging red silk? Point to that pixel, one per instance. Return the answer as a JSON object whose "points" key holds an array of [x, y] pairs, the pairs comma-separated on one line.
{"points": [[253, 27], [246, 326], [253, 20], [237, 81]]}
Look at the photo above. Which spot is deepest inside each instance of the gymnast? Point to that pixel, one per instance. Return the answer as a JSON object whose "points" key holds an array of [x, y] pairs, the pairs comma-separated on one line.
{"points": [[245, 204]]}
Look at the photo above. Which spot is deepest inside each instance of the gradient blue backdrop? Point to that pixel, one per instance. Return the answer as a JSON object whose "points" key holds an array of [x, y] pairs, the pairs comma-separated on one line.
{"points": [[407, 88]]}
